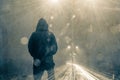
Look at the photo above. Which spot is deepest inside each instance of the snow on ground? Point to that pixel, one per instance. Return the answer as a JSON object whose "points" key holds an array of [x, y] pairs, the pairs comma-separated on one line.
{"points": [[69, 72]]}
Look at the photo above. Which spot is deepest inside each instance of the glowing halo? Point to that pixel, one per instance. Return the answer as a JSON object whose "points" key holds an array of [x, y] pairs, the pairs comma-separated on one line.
{"points": [[54, 1], [24, 40], [92, 1]]}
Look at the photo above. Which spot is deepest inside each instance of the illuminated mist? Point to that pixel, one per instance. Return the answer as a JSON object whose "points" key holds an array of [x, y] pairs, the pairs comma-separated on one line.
{"points": [[87, 32]]}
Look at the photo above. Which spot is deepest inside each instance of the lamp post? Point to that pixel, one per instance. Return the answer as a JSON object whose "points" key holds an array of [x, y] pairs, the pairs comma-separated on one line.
{"points": [[73, 48]]}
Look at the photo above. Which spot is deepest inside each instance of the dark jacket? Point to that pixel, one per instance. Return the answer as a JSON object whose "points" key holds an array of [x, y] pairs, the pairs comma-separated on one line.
{"points": [[42, 44]]}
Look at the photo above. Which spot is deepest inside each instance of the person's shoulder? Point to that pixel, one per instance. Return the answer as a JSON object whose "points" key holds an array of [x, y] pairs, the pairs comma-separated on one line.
{"points": [[51, 34], [35, 33]]}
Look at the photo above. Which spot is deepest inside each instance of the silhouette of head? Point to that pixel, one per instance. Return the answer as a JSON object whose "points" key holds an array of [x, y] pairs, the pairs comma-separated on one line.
{"points": [[42, 25]]}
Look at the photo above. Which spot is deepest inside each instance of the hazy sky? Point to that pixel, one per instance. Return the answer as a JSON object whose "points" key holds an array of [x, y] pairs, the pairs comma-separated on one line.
{"points": [[88, 28]]}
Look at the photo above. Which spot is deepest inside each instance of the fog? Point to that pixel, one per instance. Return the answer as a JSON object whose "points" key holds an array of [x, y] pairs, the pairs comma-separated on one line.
{"points": [[90, 31]]}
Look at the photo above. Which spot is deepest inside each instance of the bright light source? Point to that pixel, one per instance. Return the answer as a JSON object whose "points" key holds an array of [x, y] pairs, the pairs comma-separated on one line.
{"points": [[52, 17], [24, 40], [74, 16], [91, 2], [69, 47], [54, 1], [77, 47], [53, 8]]}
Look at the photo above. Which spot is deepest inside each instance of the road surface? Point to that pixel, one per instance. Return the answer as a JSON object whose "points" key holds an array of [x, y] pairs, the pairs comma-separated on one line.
{"points": [[70, 72]]}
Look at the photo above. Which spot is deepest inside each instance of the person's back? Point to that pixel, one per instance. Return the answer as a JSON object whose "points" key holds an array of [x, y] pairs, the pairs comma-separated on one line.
{"points": [[42, 46]]}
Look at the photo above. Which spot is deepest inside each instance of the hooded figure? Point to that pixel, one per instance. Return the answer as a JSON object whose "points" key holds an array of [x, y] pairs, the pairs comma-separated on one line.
{"points": [[42, 46]]}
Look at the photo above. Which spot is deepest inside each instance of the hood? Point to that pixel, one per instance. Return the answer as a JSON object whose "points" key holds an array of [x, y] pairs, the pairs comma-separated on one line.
{"points": [[42, 25]]}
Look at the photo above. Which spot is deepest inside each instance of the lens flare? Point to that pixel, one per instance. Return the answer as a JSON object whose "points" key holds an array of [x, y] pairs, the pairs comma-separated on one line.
{"points": [[24, 40]]}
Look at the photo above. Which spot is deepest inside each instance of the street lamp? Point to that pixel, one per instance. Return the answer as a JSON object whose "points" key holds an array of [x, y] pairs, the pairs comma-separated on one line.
{"points": [[77, 47], [68, 47]]}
